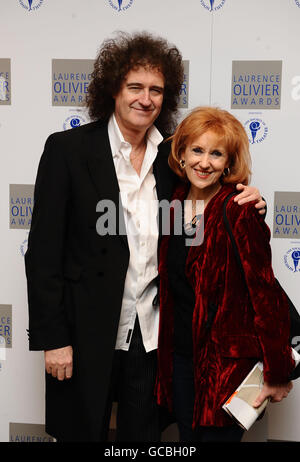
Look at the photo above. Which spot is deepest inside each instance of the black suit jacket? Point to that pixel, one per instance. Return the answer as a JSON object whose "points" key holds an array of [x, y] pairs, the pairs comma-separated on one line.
{"points": [[75, 276]]}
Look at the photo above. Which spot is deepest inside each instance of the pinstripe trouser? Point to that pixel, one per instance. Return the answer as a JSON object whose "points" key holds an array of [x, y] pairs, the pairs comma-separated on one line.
{"points": [[132, 386]]}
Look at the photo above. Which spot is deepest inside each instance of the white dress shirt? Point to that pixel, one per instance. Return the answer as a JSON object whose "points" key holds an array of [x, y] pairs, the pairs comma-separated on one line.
{"points": [[140, 206]]}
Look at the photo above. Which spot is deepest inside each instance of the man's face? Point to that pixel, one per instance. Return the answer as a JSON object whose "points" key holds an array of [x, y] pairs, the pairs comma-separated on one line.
{"points": [[139, 100]]}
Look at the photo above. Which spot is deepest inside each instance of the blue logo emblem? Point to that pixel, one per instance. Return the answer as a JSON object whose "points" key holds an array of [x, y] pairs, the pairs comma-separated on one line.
{"points": [[212, 5], [120, 5], [23, 246], [31, 5], [256, 129], [292, 259], [75, 120], [297, 3]]}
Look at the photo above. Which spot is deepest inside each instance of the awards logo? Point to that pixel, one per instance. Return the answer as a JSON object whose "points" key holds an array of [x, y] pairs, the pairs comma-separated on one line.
{"points": [[28, 433], [5, 82], [70, 81], [292, 259], [257, 130], [31, 5], [6, 326], [212, 5], [21, 206], [24, 245], [296, 88], [184, 92], [286, 215], [256, 84], [120, 5], [73, 121]]}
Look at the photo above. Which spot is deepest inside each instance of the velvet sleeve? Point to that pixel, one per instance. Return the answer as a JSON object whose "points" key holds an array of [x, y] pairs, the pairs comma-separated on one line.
{"points": [[271, 313]]}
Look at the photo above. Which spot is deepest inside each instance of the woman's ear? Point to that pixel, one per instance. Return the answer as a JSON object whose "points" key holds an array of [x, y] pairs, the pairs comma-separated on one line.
{"points": [[182, 163]]}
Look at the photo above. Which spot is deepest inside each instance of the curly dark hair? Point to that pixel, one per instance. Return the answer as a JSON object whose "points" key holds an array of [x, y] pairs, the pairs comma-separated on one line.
{"points": [[117, 57]]}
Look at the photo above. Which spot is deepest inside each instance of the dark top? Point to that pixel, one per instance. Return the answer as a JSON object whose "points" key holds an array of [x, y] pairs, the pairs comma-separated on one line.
{"points": [[183, 293]]}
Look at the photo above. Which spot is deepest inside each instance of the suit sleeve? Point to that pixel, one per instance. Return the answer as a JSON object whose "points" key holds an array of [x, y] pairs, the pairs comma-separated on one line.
{"points": [[271, 317], [48, 327]]}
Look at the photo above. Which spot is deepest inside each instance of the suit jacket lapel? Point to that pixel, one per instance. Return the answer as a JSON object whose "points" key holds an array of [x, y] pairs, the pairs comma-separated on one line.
{"points": [[165, 180], [103, 174]]}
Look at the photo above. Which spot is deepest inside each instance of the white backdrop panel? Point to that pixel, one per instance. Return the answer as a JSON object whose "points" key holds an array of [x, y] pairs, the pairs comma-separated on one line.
{"points": [[210, 41]]}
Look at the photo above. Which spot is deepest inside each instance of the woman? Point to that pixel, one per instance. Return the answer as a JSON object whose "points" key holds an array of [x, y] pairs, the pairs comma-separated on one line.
{"points": [[211, 331]]}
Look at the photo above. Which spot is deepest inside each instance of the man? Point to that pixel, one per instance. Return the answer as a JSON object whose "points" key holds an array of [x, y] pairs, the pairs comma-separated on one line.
{"points": [[92, 297]]}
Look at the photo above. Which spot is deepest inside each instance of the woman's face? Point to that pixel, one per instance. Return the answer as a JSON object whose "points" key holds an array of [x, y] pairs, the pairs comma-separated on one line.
{"points": [[205, 160]]}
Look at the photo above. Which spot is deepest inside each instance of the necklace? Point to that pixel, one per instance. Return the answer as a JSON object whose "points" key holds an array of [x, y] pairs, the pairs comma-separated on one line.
{"points": [[193, 211], [199, 205], [194, 219]]}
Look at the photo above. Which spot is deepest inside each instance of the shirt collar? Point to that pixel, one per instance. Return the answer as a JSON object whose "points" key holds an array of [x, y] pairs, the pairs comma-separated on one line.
{"points": [[154, 136], [121, 147]]}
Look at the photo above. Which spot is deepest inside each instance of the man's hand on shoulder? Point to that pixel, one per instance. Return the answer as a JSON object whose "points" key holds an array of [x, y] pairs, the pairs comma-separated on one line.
{"points": [[248, 194], [59, 362]]}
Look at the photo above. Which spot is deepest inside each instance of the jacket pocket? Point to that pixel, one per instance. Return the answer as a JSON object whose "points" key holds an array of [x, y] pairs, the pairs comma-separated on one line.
{"points": [[240, 346]]}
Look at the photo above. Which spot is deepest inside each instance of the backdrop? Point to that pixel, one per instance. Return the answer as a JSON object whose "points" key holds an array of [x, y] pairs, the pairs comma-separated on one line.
{"points": [[241, 55]]}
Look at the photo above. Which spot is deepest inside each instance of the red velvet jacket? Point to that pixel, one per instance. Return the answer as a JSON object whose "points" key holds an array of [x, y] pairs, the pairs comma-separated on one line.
{"points": [[243, 331]]}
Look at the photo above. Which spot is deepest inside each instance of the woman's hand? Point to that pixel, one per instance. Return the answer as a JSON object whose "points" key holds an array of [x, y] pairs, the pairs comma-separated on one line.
{"points": [[276, 393]]}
